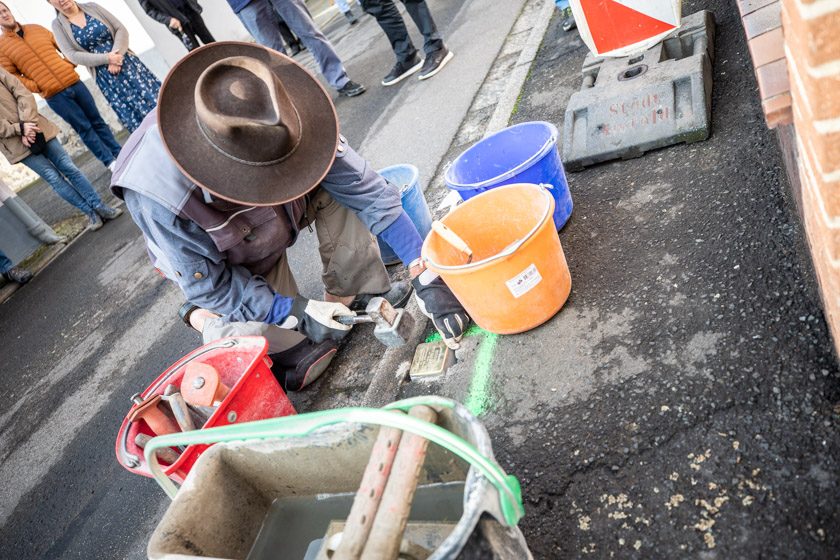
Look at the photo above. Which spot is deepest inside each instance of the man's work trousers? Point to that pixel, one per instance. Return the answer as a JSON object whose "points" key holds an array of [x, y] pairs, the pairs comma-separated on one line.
{"points": [[350, 258]]}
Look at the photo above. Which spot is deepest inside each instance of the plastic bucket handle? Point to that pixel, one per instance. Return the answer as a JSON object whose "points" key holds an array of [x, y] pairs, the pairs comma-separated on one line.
{"points": [[513, 247], [507, 174], [507, 486]]}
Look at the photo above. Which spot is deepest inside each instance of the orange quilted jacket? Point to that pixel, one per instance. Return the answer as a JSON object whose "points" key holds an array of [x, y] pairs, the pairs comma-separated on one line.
{"points": [[35, 60]]}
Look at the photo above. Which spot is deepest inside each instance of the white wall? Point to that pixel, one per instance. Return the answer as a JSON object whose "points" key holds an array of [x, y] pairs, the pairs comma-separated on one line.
{"points": [[155, 45], [40, 12], [220, 20]]}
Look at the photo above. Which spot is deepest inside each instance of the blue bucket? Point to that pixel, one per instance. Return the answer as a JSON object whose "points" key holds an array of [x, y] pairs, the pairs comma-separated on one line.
{"points": [[524, 153], [406, 177]]}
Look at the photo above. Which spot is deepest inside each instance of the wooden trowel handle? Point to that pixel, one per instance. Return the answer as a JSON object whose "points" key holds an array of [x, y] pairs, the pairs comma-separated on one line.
{"points": [[452, 238]]}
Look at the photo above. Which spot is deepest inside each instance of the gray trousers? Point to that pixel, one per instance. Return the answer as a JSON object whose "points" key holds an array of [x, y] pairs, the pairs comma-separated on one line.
{"points": [[260, 19]]}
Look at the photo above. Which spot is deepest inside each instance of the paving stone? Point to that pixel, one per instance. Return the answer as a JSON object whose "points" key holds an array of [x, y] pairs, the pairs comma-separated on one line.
{"points": [[763, 20], [767, 47], [749, 6], [773, 79]]}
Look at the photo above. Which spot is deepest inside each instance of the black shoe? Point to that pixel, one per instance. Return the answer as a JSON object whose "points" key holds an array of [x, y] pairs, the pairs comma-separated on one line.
{"points": [[351, 89], [303, 363], [435, 62], [397, 296], [402, 70], [295, 49], [18, 275], [568, 20]]}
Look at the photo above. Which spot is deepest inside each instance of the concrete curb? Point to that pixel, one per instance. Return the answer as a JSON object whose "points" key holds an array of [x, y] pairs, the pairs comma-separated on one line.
{"points": [[56, 250], [392, 368], [516, 79]]}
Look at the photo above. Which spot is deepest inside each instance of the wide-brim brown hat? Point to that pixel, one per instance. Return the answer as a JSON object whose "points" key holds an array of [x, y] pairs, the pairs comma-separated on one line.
{"points": [[247, 123]]}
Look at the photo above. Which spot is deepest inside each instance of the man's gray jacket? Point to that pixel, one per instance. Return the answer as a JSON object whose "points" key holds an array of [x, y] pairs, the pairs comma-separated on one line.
{"points": [[198, 258]]}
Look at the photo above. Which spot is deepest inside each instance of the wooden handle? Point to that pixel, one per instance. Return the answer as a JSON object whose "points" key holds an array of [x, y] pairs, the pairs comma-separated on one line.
{"points": [[383, 542], [452, 238], [367, 499]]}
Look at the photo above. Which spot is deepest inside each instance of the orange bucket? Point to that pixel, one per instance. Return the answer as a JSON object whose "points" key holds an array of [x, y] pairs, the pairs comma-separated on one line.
{"points": [[500, 255]]}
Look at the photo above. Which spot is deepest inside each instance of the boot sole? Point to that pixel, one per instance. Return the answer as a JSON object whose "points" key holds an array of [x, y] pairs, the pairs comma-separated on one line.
{"points": [[404, 75], [357, 305], [443, 63], [318, 368]]}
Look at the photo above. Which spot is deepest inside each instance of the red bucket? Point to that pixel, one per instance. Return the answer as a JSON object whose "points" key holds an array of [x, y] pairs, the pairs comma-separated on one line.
{"points": [[255, 394]]}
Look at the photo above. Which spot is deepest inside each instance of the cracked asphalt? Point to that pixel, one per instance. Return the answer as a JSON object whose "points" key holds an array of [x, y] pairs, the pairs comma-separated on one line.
{"points": [[684, 403]]}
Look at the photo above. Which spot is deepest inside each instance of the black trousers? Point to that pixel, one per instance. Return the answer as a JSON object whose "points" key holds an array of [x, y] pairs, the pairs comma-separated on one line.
{"points": [[389, 19], [193, 30], [287, 34]]}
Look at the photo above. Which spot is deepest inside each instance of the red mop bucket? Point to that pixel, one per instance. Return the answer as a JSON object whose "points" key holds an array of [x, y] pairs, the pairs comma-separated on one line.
{"points": [[255, 394]]}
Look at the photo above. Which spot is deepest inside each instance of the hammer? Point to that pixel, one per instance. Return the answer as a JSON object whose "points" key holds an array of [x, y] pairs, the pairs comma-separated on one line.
{"points": [[393, 326]]}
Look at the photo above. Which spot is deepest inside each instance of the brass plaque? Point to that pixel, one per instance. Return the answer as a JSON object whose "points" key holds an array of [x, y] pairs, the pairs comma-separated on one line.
{"points": [[431, 359]]}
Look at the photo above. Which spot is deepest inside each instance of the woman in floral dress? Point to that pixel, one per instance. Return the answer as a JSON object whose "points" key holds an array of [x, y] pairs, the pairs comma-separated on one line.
{"points": [[89, 35]]}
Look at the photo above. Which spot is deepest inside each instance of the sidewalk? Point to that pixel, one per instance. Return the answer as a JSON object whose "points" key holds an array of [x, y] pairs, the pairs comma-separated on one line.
{"points": [[684, 401]]}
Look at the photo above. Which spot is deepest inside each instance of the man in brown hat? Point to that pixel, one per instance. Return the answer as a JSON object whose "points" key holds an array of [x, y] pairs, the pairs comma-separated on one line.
{"points": [[242, 152]]}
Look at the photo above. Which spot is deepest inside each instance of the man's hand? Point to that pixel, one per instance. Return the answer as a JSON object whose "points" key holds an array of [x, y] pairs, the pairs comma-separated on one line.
{"points": [[438, 303], [175, 23], [316, 319]]}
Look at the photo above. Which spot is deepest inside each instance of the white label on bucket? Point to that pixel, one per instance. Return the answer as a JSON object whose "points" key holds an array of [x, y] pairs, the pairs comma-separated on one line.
{"points": [[524, 282]]}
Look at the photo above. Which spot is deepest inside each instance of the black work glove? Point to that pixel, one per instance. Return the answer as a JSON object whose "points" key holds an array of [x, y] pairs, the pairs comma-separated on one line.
{"points": [[316, 319], [438, 303]]}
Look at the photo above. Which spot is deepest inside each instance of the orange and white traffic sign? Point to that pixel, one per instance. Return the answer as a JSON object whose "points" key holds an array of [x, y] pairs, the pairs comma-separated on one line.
{"points": [[623, 27]]}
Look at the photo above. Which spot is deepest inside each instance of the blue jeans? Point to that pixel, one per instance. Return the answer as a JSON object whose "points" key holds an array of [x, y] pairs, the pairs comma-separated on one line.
{"points": [[76, 106], [5, 263], [56, 167], [260, 19]]}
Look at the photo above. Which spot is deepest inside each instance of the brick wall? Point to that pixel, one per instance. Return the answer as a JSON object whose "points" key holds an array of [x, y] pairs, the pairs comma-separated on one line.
{"points": [[812, 49]]}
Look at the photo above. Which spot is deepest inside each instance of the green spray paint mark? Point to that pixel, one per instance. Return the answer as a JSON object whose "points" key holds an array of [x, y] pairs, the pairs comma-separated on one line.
{"points": [[434, 337], [478, 395]]}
